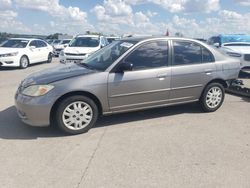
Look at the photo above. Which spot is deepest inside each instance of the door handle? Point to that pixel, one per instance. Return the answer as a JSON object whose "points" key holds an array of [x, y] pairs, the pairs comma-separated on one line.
{"points": [[162, 75], [208, 71]]}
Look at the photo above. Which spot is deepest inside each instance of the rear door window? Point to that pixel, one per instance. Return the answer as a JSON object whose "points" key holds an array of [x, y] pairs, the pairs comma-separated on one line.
{"points": [[186, 53]]}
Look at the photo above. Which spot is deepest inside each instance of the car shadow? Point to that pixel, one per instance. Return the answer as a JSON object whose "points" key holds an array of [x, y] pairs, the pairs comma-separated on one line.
{"points": [[245, 73], [246, 99], [117, 119], [11, 127], [17, 68]]}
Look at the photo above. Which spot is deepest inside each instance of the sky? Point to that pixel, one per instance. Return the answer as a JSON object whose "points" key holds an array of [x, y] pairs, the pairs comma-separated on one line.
{"points": [[192, 18]]}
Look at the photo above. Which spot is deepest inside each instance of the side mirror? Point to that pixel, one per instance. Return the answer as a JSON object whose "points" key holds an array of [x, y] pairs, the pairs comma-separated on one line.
{"points": [[65, 45], [217, 45], [32, 47], [124, 67]]}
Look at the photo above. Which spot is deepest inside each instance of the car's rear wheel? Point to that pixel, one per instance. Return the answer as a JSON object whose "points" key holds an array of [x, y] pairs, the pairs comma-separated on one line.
{"points": [[24, 62], [50, 56], [212, 97], [76, 114]]}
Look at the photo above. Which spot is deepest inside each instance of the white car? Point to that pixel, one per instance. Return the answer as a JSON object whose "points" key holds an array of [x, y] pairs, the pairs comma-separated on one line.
{"points": [[240, 50], [21, 52], [60, 46], [237, 45], [81, 47]]}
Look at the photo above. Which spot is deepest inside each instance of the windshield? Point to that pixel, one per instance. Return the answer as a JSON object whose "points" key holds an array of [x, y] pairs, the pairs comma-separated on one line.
{"points": [[235, 38], [104, 57], [56, 41], [15, 43], [110, 40], [85, 42], [65, 42]]}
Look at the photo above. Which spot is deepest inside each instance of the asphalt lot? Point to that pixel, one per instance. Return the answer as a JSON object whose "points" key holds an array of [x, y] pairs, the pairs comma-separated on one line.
{"points": [[167, 147]]}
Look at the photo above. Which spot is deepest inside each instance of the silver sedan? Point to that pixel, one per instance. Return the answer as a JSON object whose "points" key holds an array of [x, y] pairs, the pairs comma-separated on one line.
{"points": [[127, 75]]}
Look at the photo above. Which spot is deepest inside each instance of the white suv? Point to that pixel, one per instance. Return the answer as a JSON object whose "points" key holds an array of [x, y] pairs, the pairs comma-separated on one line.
{"points": [[20, 52], [81, 47], [60, 46]]}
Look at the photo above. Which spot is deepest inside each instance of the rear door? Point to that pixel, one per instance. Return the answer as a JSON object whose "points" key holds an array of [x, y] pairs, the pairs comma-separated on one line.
{"points": [[34, 52], [43, 51], [192, 68], [148, 84]]}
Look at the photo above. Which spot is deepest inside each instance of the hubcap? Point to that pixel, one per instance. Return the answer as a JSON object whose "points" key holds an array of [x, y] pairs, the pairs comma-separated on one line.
{"points": [[24, 62], [214, 97], [77, 115]]}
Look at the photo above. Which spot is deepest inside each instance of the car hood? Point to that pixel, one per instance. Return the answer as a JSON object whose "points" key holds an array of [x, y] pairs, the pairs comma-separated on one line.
{"points": [[80, 50], [237, 49], [60, 72], [4, 50]]}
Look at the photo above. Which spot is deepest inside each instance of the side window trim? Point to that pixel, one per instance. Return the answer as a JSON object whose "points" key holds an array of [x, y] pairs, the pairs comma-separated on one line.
{"points": [[167, 64]]}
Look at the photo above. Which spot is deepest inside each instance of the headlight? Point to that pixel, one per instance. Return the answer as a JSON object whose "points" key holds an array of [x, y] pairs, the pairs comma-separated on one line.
{"points": [[37, 90], [234, 54], [9, 54], [62, 53]]}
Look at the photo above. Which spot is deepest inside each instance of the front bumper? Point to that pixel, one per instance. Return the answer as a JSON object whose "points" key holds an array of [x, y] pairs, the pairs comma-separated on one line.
{"points": [[34, 111], [244, 63], [13, 61], [56, 52], [70, 59]]}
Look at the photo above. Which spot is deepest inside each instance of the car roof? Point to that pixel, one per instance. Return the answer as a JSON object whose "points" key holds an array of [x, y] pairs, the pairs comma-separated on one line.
{"points": [[140, 39], [111, 37], [29, 39], [97, 36]]}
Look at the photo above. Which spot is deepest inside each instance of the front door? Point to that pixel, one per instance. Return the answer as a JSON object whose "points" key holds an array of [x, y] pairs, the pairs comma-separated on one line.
{"points": [[148, 84]]}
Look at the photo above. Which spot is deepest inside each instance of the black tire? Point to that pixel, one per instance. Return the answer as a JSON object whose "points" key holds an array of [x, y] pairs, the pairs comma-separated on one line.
{"points": [[50, 56], [68, 102], [207, 104], [24, 62]]}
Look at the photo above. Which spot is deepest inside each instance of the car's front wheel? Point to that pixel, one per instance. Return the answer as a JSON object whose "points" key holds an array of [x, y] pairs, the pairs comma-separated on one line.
{"points": [[212, 97], [24, 62], [76, 114]]}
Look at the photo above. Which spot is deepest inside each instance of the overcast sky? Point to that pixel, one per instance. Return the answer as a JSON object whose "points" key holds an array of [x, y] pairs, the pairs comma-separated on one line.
{"points": [[193, 18]]}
